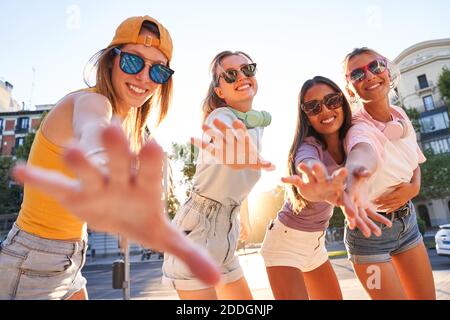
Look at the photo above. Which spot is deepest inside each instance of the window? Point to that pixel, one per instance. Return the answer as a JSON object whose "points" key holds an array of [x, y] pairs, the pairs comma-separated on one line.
{"points": [[1, 126], [435, 122], [438, 146], [22, 124], [19, 141], [428, 102], [423, 82]]}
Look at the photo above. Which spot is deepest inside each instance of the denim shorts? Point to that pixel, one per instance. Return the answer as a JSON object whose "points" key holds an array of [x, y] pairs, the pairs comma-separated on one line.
{"points": [[288, 247], [34, 268], [403, 236], [213, 226]]}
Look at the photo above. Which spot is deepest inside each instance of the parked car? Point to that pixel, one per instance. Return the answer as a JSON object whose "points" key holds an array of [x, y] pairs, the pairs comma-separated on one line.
{"points": [[443, 240]]}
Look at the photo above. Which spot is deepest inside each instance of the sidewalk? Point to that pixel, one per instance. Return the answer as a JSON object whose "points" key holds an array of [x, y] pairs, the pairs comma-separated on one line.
{"points": [[256, 276], [255, 273], [109, 259]]}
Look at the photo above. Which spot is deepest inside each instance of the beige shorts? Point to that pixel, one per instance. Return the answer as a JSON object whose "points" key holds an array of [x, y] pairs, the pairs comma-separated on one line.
{"points": [[284, 246]]}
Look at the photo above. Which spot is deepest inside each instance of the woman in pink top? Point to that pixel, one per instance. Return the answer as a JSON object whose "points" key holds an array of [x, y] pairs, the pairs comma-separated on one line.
{"points": [[294, 246], [384, 175]]}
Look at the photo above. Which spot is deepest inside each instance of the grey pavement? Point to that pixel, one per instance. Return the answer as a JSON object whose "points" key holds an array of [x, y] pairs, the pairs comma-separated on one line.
{"points": [[146, 284]]}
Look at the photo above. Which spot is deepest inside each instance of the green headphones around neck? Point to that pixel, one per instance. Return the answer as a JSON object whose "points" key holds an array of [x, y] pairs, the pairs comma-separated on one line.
{"points": [[253, 119]]}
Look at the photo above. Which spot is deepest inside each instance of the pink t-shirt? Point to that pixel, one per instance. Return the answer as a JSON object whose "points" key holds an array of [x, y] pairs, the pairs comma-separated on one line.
{"points": [[316, 216], [397, 159]]}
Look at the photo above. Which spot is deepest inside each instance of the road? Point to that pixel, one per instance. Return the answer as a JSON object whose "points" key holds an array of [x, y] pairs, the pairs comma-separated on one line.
{"points": [[146, 278]]}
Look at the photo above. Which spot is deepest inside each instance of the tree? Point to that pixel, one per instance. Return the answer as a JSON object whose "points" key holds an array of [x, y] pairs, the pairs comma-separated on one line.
{"points": [[186, 155], [444, 84], [414, 116], [10, 195], [337, 220], [172, 205], [435, 176], [23, 151]]}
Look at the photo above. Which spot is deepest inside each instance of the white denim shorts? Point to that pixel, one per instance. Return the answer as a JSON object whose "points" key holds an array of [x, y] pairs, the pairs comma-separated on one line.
{"points": [[213, 226], [284, 246], [34, 268]]}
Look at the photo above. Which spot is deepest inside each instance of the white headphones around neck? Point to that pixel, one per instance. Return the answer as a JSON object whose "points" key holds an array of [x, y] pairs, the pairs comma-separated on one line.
{"points": [[396, 130]]}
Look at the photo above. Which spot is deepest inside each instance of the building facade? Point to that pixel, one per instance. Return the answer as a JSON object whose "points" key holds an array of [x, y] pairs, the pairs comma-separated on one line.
{"points": [[15, 125], [7, 103], [421, 66]]}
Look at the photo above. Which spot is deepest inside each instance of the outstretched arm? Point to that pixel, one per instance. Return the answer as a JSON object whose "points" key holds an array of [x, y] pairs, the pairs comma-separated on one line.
{"points": [[232, 146], [315, 184], [361, 164], [121, 199], [92, 113]]}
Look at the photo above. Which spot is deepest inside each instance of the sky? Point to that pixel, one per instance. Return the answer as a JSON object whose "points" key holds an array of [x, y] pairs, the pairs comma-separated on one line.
{"points": [[291, 41]]}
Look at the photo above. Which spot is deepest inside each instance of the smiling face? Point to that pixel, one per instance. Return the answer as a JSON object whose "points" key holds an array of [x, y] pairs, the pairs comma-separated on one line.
{"points": [[327, 121], [239, 94], [374, 87], [133, 90]]}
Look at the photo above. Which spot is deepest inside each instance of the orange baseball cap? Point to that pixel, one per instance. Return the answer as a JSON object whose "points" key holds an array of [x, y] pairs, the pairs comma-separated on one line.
{"points": [[128, 32]]}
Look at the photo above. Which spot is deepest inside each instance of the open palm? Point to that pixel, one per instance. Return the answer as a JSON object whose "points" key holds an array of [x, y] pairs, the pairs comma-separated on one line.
{"points": [[319, 186], [357, 207], [232, 146], [121, 199]]}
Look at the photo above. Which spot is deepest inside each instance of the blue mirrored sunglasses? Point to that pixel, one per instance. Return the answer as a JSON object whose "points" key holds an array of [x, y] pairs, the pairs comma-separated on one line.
{"points": [[133, 64]]}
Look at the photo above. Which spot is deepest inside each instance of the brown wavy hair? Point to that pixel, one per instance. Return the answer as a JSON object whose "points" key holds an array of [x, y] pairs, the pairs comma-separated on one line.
{"points": [[304, 130]]}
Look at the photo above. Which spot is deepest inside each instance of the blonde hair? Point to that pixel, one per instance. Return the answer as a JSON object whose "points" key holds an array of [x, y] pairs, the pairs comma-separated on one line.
{"points": [[134, 126], [212, 100]]}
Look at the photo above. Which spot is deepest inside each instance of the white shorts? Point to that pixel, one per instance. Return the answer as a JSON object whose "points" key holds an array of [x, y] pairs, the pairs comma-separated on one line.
{"points": [[284, 246]]}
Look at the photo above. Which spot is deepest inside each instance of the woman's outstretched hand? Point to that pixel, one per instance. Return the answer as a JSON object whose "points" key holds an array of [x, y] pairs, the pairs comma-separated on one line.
{"points": [[356, 206], [232, 146], [319, 185], [122, 197]]}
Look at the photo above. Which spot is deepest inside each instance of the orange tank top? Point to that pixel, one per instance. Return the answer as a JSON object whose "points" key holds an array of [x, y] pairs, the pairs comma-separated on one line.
{"points": [[43, 215]]}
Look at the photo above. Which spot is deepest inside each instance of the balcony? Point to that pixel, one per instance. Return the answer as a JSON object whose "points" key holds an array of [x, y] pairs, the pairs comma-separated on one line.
{"points": [[434, 123], [434, 134], [429, 87], [442, 108]]}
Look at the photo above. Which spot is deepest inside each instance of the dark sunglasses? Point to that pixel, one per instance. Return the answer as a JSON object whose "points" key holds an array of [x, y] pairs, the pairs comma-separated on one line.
{"points": [[331, 101], [133, 64], [230, 75], [376, 67]]}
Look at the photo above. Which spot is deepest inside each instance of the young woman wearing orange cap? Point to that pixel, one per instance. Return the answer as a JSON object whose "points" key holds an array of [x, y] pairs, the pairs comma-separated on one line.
{"points": [[116, 190]]}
